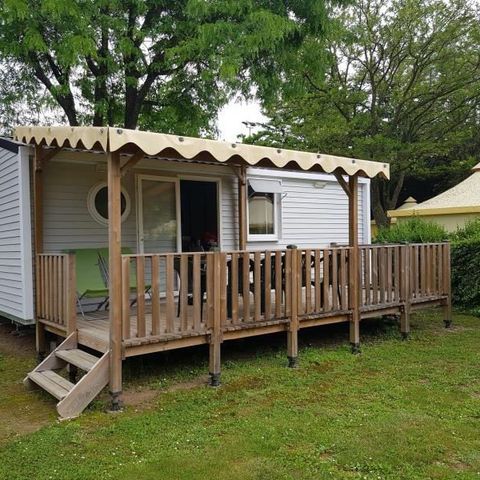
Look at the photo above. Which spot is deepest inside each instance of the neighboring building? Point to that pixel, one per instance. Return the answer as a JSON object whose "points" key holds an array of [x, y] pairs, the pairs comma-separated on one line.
{"points": [[189, 207], [451, 209]]}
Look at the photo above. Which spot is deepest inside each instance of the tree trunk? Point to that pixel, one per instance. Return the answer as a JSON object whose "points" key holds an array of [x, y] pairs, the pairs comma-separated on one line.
{"points": [[378, 210]]}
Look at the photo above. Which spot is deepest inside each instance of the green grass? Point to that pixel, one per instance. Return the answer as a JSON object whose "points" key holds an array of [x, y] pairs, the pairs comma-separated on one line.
{"points": [[400, 410]]}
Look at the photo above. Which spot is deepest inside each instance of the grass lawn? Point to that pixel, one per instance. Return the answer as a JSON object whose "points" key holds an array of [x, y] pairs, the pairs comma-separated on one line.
{"points": [[400, 410]]}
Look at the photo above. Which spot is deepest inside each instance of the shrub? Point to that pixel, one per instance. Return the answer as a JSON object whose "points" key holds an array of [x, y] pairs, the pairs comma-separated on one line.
{"points": [[413, 230], [466, 274], [470, 231]]}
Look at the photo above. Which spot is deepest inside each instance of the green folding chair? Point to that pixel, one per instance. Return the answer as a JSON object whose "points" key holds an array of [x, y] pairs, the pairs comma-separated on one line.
{"points": [[92, 275]]}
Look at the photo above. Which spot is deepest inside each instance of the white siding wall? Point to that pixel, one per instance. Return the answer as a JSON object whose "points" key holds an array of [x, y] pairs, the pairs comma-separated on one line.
{"points": [[16, 296], [309, 216], [67, 221]]}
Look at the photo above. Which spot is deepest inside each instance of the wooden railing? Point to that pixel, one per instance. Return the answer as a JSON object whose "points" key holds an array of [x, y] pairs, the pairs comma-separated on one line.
{"points": [[382, 270], [429, 270], [257, 286], [324, 279], [56, 290], [183, 294], [175, 286]]}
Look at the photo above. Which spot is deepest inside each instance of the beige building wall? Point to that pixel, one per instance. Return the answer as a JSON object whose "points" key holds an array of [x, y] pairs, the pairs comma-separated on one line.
{"points": [[449, 222]]}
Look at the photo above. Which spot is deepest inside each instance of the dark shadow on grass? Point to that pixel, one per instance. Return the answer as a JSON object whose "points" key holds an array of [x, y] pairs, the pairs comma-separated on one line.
{"points": [[193, 361]]}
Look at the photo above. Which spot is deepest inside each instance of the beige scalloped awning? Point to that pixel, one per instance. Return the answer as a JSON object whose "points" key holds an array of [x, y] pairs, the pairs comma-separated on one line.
{"points": [[197, 149]]}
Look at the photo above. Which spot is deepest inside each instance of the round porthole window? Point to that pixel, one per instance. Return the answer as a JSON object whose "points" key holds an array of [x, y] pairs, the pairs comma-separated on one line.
{"points": [[97, 203]]}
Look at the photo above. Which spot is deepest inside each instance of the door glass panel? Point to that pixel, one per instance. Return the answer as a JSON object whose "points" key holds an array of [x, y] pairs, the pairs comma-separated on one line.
{"points": [[159, 216]]}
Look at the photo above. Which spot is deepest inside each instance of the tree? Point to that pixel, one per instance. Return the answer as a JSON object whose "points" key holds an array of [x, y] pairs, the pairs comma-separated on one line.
{"points": [[165, 65], [402, 86]]}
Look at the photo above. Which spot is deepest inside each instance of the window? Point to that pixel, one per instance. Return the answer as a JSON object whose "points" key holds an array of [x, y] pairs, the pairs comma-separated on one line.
{"points": [[97, 203], [262, 210]]}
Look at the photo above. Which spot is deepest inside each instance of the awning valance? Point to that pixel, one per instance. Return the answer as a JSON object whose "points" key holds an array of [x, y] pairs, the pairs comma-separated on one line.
{"points": [[178, 147]]}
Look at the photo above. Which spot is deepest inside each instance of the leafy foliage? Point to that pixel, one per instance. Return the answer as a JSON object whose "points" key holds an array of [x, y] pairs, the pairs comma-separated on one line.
{"points": [[465, 254], [413, 230], [161, 65], [466, 273], [402, 85], [470, 231]]}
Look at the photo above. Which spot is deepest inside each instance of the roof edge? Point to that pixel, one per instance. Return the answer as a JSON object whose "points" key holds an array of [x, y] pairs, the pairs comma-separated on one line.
{"points": [[418, 212]]}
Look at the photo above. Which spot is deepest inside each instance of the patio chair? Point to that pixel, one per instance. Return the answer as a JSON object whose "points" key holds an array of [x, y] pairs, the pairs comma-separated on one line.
{"points": [[102, 255], [90, 284], [92, 281]]}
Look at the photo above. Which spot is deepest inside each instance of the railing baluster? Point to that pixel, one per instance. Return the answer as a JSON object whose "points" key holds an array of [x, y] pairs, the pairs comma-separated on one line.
{"points": [[268, 284], [343, 274], [397, 274], [210, 290], [126, 297], [382, 274], [234, 286], [440, 269], [288, 284], [155, 294], [169, 293], [246, 286], [335, 284], [368, 288], [257, 285], [223, 288], [375, 253], [308, 281], [141, 327], [327, 256], [424, 280], [389, 286], [183, 292], [197, 294], [279, 282], [318, 281]]}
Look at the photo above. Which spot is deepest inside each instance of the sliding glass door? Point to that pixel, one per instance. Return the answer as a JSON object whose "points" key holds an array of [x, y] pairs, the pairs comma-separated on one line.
{"points": [[158, 214]]}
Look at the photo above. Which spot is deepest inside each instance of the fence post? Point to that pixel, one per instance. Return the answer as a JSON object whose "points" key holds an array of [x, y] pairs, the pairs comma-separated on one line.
{"points": [[71, 293], [216, 325], [405, 291], [447, 285], [292, 335], [354, 297]]}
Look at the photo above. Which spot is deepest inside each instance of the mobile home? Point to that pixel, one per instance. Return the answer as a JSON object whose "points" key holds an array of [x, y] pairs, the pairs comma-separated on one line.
{"points": [[182, 241]]}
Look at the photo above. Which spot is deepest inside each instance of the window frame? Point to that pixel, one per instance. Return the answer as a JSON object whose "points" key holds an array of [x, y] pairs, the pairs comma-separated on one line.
{"points": [[92, 210], [265, 237]]}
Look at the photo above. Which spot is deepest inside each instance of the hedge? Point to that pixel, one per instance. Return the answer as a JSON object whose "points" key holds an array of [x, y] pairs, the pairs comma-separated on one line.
{"points": [[413, 230], [465, 252], [466, 274]]}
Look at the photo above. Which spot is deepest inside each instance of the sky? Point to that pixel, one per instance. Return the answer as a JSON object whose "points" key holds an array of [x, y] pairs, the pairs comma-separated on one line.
{"points": [[231, 116]]}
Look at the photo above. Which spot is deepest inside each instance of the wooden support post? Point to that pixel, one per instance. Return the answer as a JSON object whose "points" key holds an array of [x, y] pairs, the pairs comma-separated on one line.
{"points": [[405, 290], [115, 275], [242, 209], [40, 334], [216, 333], [71, 294], [354, 264], [292, 335], [447, 285]]}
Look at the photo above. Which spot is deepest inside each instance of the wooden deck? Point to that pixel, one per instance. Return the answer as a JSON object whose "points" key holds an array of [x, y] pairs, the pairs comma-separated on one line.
{"points": [[94, 327], [239, 294]]}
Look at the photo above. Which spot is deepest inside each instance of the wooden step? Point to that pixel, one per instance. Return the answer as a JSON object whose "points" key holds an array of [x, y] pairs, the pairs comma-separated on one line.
{"points": [[51, 382], [79, 358]]}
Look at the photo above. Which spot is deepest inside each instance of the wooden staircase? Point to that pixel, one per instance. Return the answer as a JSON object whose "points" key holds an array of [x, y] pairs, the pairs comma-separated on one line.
{"points": [[73, 397]]}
